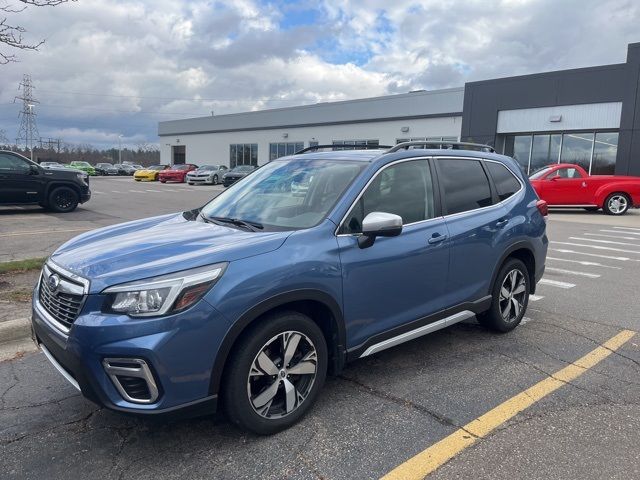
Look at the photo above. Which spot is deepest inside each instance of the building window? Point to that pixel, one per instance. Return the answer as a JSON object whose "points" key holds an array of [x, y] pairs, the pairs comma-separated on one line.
{"points": [[243, 154], [352, 142], [277, 150], [427, 139], [594, 151]]}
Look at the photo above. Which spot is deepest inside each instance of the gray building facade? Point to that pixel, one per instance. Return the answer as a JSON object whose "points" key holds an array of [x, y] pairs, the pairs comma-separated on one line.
{"points": [[589, 116]]}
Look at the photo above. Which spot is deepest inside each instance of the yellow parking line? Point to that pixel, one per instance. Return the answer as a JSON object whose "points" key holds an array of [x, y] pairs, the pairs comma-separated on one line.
{"points": [[48, 232], [439, 453]]}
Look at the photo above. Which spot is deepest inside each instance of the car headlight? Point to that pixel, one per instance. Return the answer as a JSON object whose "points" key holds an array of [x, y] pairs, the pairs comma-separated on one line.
{"points": [[162, 295], [83, 177]]}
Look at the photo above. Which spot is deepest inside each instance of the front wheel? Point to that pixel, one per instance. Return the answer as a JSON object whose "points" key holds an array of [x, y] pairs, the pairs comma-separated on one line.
{"points": [[510, 298], [275, 373], [63, 200], [616, 204], [215, 179]]}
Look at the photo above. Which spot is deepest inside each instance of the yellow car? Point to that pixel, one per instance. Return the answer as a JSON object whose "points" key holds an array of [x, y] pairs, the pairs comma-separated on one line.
{"points": [[149, 174]]}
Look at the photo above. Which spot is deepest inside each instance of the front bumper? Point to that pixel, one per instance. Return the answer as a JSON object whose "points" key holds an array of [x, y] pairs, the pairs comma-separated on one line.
{"points": [[199, 179], [226, 181], [171, 178], [179, 350]]}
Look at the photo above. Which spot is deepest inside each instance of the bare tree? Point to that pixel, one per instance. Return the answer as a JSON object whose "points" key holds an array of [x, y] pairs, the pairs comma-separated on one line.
{"points": [[11, 35]]}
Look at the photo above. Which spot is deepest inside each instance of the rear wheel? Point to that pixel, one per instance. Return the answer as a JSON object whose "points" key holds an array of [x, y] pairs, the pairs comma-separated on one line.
{"points": [[275, 373], [510, 297], [616, 204], [63, 200]]}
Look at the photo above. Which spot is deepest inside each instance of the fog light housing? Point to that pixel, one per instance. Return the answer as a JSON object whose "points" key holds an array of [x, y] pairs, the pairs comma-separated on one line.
{"points": [[133, 379]]}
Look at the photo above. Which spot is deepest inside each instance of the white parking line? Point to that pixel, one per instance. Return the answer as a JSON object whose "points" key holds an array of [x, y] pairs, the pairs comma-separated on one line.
{"points": [[115, 191], [535, 298], [525, 320], [93, 192], [555, 283], [136, 191], [564, 250], [628, 228], [154, 191], [598, 247], [610, 242], [572, 272], [583, 262], [610, 236], [618, 231]]}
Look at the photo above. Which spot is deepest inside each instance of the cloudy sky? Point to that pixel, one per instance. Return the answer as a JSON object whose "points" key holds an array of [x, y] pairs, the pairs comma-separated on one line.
{"points": [[112, 67]]}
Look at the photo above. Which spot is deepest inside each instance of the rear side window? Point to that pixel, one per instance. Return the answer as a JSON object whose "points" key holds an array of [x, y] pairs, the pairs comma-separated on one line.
{"points": [[465, 185], [505, 182]]}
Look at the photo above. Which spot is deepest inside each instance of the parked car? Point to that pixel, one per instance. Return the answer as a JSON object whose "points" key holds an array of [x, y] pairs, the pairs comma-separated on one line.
{"points": [[236, 173], [25, 182], [84, 166], [124, 169], [51, 165], [106, 169], [176, 173], [569, 185], [206, 174], [149, 174], [249, 301]]}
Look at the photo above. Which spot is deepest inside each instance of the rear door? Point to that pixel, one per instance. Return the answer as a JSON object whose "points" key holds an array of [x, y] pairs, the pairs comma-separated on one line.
{"points": [[474, 219], [18, 184], [397, 279]]}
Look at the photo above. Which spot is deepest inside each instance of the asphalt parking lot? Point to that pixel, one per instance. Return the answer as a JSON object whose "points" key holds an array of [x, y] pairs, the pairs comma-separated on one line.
{"points": [[397, 413]]}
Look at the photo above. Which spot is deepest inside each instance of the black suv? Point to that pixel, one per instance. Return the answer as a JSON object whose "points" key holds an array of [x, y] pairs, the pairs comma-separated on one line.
{"points": [[23, 182]]}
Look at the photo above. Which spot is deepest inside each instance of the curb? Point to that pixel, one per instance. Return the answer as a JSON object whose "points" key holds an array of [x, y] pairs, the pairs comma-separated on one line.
{"points": [[14, 330]]}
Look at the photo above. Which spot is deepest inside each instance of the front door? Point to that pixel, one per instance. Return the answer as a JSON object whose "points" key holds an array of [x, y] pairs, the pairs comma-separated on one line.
{"points": [[397, 279], [566, 186], [18, 184]]}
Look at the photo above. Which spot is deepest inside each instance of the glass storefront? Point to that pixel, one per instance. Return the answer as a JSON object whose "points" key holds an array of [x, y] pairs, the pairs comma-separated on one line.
{"points": [[593, 151], [243, 154]]}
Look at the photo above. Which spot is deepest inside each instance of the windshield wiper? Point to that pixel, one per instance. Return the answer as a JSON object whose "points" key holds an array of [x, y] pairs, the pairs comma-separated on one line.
{"points": [[249, 225]]}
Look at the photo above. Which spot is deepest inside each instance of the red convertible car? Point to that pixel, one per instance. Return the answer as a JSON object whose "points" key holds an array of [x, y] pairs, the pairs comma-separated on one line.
{"points": [[569, 185], [177, 173]]}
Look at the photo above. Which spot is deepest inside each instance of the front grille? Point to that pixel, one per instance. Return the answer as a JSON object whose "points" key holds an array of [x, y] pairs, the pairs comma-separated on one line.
{"points": [[64, 307]]}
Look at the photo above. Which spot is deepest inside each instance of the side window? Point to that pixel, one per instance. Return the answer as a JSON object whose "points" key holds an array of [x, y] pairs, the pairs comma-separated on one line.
{"points": [[11, 163], [405, 189], [567, 173], [465, 185], [506, 184]]}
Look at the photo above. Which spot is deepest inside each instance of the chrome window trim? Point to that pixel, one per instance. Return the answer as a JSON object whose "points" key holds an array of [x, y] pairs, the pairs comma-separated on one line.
{"points": [[451, 215]]}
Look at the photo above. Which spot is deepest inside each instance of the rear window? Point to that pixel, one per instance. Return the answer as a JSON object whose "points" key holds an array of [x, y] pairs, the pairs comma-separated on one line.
{"points": [[465, 185], [505, 182]]}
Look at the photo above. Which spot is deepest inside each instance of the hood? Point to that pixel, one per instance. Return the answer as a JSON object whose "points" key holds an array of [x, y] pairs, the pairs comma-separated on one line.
{"points": [[157, 246]]}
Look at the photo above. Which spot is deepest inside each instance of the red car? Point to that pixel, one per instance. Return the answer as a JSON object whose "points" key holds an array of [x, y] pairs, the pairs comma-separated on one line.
{"points": [[569, 185], [177, 173]]}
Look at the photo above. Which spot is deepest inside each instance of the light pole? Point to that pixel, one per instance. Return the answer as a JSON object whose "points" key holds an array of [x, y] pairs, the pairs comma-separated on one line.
{"points": [[120, 149]]}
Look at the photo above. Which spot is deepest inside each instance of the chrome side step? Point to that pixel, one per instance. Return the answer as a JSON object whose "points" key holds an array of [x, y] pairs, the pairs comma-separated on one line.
{"points": [[418, 332]]}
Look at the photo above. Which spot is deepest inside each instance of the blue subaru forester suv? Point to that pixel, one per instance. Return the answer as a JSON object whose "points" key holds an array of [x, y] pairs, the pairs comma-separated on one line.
{"points": [[309, 262]]}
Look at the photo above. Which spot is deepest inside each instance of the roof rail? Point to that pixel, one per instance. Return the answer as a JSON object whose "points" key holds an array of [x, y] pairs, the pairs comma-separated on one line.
{"points": [[443, 145], [350, 146]]}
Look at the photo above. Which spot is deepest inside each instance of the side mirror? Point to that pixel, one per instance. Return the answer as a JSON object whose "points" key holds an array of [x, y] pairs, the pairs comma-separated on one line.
{"points": [[555, 178], [379, 224], [33, 169]]}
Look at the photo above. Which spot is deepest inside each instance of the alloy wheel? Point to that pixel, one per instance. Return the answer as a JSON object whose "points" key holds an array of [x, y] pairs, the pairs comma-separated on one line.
{"points": [[64, 199], [215, 179], [512, 295], [282, 375], [618, 204]]}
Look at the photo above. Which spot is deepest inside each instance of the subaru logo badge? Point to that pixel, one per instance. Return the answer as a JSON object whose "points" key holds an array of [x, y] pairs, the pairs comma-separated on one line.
{"points": [[53, 282]]}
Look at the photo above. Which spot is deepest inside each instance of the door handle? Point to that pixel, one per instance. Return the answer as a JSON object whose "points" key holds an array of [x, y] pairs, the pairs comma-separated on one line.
{"points": [[502, 222], [437, 238]]}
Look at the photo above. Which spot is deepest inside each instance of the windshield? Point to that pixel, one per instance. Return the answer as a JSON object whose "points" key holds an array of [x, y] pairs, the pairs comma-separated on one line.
{"points": [[540, 173], [181, 167], [107, 165], [286, 195], [156, 167], [81, 164], [243, 168], [204, 168]]}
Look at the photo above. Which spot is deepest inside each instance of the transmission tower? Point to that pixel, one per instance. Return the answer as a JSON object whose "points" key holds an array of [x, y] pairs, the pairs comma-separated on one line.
{"points": [[28, 131]]}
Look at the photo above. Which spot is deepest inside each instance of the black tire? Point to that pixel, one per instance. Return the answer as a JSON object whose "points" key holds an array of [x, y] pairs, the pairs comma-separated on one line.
{"points": [[611, 207], [237, 382], [163, 181], [190, 183], [62, 200], [591, 209], [494, 318], [215, 179]]}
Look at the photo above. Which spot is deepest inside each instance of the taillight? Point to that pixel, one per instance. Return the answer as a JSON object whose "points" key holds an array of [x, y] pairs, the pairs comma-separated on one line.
{"points": [[542, 207]]}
